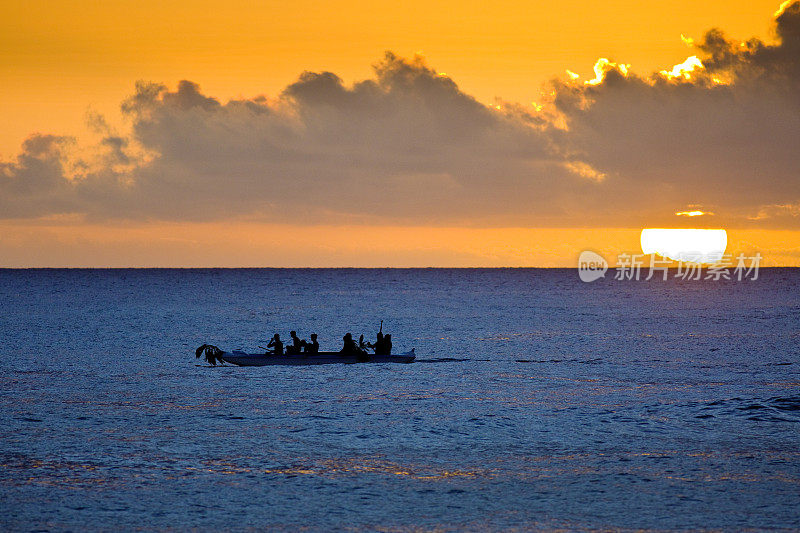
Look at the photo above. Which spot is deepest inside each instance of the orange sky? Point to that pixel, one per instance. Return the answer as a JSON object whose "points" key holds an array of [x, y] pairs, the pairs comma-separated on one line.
{"points": [[257, 245], [62, 58]]}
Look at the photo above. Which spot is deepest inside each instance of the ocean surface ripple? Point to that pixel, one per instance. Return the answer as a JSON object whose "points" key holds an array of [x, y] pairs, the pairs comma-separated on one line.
{"points": [[537, 402]]}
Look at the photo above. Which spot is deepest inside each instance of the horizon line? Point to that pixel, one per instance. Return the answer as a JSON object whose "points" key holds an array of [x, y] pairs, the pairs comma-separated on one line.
{"points": [[643, 268]]}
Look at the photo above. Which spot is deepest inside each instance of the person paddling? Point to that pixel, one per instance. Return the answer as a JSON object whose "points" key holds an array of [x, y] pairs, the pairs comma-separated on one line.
{"points": [[297, 344], [387, 345], [350, 347], [311, 347], [378, 341], [276, 344]]}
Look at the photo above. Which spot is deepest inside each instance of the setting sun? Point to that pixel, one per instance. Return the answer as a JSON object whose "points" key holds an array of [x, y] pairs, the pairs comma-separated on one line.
{"points": [[690, 245]]}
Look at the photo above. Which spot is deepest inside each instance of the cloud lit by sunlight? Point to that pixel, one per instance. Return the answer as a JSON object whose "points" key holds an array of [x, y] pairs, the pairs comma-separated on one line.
{"points": [[782, 8], [694, 213], [683, 70], [585, 170], [602, 66]]}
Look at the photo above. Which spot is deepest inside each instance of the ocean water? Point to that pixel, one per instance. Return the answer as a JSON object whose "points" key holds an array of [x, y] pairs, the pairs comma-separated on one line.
{"points": [[538, 402]]}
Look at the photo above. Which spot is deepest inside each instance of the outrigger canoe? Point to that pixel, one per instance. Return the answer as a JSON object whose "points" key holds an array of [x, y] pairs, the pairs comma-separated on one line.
{"points": [[240, 358], [214, 355]]}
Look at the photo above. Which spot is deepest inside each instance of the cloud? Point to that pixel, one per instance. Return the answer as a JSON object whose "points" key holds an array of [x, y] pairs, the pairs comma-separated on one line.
{"points": [[720, 130], [36, 183], [409, 146]]}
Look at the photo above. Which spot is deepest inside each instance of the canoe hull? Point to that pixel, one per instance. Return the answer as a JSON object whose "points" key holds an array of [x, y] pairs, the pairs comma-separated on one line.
{"points": [[323, 358]]}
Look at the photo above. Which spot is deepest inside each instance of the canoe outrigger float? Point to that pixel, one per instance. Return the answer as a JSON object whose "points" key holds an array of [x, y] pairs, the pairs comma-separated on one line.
{"points": [[213, 355]]}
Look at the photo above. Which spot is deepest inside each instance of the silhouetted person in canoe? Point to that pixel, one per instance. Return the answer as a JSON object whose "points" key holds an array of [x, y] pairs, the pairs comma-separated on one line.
{"points": [[350, 347], [311, 347], [378, 342], [276, 344], [361, 344], [386, 348], [297, 344]]}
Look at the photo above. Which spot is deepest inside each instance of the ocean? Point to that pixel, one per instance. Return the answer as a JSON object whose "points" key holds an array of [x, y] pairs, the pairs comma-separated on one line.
{"points": [[537, 402]]}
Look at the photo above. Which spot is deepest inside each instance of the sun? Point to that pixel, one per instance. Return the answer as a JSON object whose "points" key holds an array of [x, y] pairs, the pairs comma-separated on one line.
{"points": [[688, 245]]}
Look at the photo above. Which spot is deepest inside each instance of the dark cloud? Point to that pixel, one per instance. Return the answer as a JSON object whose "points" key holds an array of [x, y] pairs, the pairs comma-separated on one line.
{"points": [[756, 60], [406, 146], [724, 136], [409, 146], [34, 184]]}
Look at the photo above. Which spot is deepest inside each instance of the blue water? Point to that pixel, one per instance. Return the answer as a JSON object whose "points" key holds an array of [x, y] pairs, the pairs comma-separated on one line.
{"points": [[538, 402]]}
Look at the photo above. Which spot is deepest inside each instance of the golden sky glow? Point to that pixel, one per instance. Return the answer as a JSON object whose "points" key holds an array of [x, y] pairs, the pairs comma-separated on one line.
{"points": [[256, 245], [61, 57], [64, 61]]}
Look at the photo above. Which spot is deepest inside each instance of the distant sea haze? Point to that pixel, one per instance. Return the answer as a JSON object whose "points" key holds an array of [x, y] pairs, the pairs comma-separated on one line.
{"points": [[537, 401]]}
